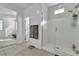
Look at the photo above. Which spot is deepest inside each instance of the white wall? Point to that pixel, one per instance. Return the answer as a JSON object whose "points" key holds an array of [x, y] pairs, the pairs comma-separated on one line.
{"points": [[19, 28], [34, 12]]}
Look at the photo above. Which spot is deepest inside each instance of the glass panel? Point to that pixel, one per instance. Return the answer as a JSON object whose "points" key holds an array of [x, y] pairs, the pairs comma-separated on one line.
{"points": [[1, 25], [27, 24], [27, 27]]}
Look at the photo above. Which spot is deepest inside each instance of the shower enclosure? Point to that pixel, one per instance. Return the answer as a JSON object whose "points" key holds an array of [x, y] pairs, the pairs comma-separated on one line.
{"points": [[61, 29]]}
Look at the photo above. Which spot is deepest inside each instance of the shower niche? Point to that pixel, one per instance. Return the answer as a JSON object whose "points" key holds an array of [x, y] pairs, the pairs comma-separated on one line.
{"points": [[34, 31]]}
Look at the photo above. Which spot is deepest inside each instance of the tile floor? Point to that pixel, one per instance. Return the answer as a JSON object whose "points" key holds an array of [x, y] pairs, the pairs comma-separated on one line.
{"points": [[22, 50]]}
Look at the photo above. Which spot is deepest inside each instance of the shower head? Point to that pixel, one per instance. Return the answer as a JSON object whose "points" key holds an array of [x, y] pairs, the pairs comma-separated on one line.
{"points": [[74, 15], [77, 6]]}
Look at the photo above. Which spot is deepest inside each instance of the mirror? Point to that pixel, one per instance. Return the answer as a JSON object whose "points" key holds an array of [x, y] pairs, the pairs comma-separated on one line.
{"points": [[8, 23]]}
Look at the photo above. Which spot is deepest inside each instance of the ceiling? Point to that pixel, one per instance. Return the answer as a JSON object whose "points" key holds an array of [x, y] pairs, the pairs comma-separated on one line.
{"points": [[51, 4], [20, 6], [15, 6]]}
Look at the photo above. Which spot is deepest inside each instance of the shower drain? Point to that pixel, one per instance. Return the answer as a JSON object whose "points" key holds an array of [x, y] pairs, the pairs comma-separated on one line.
{"points": [[31, 47]]}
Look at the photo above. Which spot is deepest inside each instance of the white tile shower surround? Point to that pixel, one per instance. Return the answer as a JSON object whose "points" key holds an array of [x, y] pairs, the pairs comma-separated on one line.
{"points": [[22, 50]]}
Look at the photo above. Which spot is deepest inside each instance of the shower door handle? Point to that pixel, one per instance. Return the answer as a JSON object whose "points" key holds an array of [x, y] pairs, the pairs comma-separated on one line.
{"points": [[56, 29]]}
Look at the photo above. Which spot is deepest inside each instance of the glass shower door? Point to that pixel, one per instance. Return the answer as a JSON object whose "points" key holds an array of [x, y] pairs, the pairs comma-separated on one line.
{"points": [[61, 30]]}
